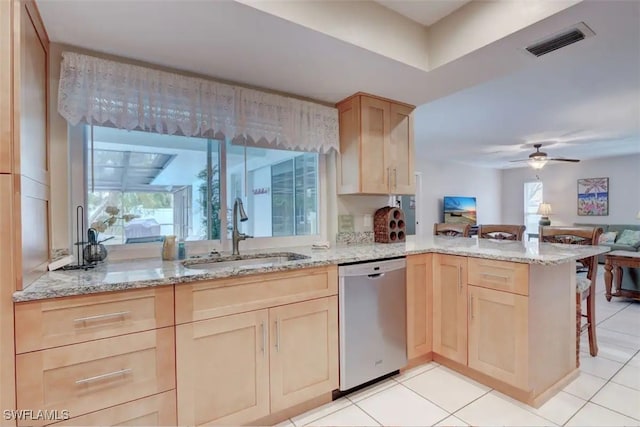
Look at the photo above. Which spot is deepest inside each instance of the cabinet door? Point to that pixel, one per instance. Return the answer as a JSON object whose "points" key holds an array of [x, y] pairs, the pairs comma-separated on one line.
{"points": [[419, 305], [304, 351], [401, 150], [498, 335], [222, 370], [6, 85], [375, 173], [348, 161], [450, 307]]}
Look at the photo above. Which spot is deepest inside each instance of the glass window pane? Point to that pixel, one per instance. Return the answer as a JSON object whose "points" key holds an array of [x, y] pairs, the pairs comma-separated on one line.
{"points": [[532, 199], [281, 190], [149, 185]]}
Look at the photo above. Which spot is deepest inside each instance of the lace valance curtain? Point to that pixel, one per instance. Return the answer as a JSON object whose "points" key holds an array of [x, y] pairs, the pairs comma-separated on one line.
{"points": [[100, 91]]}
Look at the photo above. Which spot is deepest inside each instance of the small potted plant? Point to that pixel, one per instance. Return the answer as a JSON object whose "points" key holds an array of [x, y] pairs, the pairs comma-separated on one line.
{"points": [[96, 251]]}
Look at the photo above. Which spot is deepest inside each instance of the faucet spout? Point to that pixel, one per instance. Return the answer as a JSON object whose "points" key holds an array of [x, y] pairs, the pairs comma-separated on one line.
{"points": [[236, 236]]}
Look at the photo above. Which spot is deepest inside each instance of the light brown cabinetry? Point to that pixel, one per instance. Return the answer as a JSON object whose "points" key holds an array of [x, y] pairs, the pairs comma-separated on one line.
{"points": [[90, 376], [223, 369], [304, 351], [376, 146], [277, 350], [50, 323], [450, 307], [419, 305], [499, 275], [157, 410], [88, 353], [498, 334]]}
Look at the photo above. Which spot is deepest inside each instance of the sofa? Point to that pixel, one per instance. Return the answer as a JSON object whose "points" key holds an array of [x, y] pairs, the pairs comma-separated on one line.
{"points": [[618, 228]]}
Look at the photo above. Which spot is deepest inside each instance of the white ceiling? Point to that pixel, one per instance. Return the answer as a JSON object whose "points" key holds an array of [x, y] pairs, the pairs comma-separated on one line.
{"points": [[485, 108], [425, 12]]}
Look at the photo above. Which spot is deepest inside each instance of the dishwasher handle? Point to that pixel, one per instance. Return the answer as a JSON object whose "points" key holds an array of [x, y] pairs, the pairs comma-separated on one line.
{"points": [[375, 276], [372, 269]]}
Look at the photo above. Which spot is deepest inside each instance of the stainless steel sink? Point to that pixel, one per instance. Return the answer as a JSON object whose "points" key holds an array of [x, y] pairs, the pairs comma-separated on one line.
{"points": [[266, 259]]}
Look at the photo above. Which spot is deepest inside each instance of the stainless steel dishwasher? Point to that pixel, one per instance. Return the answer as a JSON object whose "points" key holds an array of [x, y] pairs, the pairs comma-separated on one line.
{"points": [[373, 318]]}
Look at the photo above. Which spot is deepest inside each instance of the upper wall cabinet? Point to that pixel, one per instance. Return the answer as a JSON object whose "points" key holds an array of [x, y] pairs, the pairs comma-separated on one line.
{"points": [[376, 146]]}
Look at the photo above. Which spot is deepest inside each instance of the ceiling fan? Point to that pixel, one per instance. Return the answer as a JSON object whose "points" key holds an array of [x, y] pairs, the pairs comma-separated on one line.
{"points": [[538, 159]]}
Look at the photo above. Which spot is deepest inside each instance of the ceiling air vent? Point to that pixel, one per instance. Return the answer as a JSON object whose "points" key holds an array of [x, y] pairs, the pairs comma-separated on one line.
{"points": [[560, 40]]}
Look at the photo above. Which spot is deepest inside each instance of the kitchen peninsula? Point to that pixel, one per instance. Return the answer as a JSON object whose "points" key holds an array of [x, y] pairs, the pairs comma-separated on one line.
{"points": [[265, 334]]}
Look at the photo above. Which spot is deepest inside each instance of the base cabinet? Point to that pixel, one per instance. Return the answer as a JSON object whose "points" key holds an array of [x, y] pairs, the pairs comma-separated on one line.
{"points": [[450, 307], [498, 335], [304, 351], [222, 368], [419, 305], [235, 369]]}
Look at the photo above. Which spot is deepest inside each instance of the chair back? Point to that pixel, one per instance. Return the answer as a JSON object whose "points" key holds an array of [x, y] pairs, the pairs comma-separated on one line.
{"points": [[575, 236], [446, 229], [501, 232]]}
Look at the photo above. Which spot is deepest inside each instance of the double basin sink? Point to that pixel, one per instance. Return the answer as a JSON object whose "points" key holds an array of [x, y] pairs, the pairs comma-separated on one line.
{"points": [[224, 261]]}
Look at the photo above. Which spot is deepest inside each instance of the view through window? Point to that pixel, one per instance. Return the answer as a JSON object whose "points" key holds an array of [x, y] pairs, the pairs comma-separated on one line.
{"points": [[142, 186], [532, 199]]}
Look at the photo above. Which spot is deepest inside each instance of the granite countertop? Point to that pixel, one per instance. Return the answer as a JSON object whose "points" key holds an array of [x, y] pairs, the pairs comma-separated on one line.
{"points": [[143, 273]]}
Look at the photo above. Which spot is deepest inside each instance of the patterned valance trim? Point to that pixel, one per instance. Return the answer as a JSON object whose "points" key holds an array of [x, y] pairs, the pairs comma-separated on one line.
{"points": [[100, 91]]}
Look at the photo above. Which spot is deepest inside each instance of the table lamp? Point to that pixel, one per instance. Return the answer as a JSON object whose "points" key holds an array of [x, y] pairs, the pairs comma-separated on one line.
{"points": [[544, 209]]}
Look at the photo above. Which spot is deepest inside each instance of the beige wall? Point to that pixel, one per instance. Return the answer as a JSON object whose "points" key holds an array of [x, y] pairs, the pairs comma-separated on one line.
{"points": [[365, 24], [479, 23]]}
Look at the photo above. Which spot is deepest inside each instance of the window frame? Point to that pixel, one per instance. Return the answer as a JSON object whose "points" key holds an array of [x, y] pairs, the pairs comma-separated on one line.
{"points": [[525, 204], [78, 155]]}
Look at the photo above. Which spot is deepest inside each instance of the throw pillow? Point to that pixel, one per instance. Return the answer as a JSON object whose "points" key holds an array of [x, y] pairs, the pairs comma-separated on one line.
{"points": [[608, 238], [629, 238]]}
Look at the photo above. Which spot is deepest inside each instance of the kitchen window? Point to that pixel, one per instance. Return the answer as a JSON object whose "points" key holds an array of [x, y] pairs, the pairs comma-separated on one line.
{"points": [[141, 186]]}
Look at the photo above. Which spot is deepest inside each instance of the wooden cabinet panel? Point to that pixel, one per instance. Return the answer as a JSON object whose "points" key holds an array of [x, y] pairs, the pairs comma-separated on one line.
{"points": [[419, 305], [376, 146], [498, 335], [348, 168], [56, 322], [33, 54], [499, 275], [205, 300], [90, 376], [450, 307], [223, 369], [304, 351], [6, 84], [401, 150], [374, 161], [158, 410]]}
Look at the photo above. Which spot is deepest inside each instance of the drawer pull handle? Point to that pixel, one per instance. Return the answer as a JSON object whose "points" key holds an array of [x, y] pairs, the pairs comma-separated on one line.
{"points": [[119, 314], [104, 376], [495, 276]]}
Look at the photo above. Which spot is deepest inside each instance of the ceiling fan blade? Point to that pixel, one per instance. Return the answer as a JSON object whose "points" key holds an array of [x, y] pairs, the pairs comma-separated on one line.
{"points": [[521, 160], [565, 160]]}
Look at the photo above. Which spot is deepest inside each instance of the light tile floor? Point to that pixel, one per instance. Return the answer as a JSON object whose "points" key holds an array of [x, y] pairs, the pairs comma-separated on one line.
{"points": [[607, 392]]}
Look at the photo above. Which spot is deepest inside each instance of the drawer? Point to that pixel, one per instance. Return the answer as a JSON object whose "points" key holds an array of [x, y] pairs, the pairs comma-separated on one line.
{"points": [[56, 322], [86, 377], [499, 275], [205, 300], [158, 410]]}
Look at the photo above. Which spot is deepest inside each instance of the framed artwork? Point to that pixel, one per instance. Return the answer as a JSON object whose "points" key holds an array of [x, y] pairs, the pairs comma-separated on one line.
{"points": [[593, 197]]}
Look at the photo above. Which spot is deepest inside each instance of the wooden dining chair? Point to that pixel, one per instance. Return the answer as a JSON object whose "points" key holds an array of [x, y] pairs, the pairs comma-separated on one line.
{"points": [[585, 286], [501, 232], [446, 229]]}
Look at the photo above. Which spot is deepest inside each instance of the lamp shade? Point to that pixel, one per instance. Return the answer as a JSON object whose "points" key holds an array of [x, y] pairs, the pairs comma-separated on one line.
{"points": [[544, 209], [537, 162]]}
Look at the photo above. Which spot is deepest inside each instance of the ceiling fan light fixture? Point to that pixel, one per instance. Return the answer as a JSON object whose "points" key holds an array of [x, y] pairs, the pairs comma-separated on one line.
{"points": [[537, 162]]}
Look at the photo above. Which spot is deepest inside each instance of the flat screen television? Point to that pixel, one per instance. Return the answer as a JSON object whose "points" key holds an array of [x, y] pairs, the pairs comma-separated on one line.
{"points": [[459, 210]]}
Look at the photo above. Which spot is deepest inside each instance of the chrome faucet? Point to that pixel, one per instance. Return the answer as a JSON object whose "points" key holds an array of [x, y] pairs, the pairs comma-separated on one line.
{"points": [[236, 236]]}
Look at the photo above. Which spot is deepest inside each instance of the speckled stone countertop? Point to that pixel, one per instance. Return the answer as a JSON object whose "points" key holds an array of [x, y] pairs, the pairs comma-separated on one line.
{"points": [[143, 273]]}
